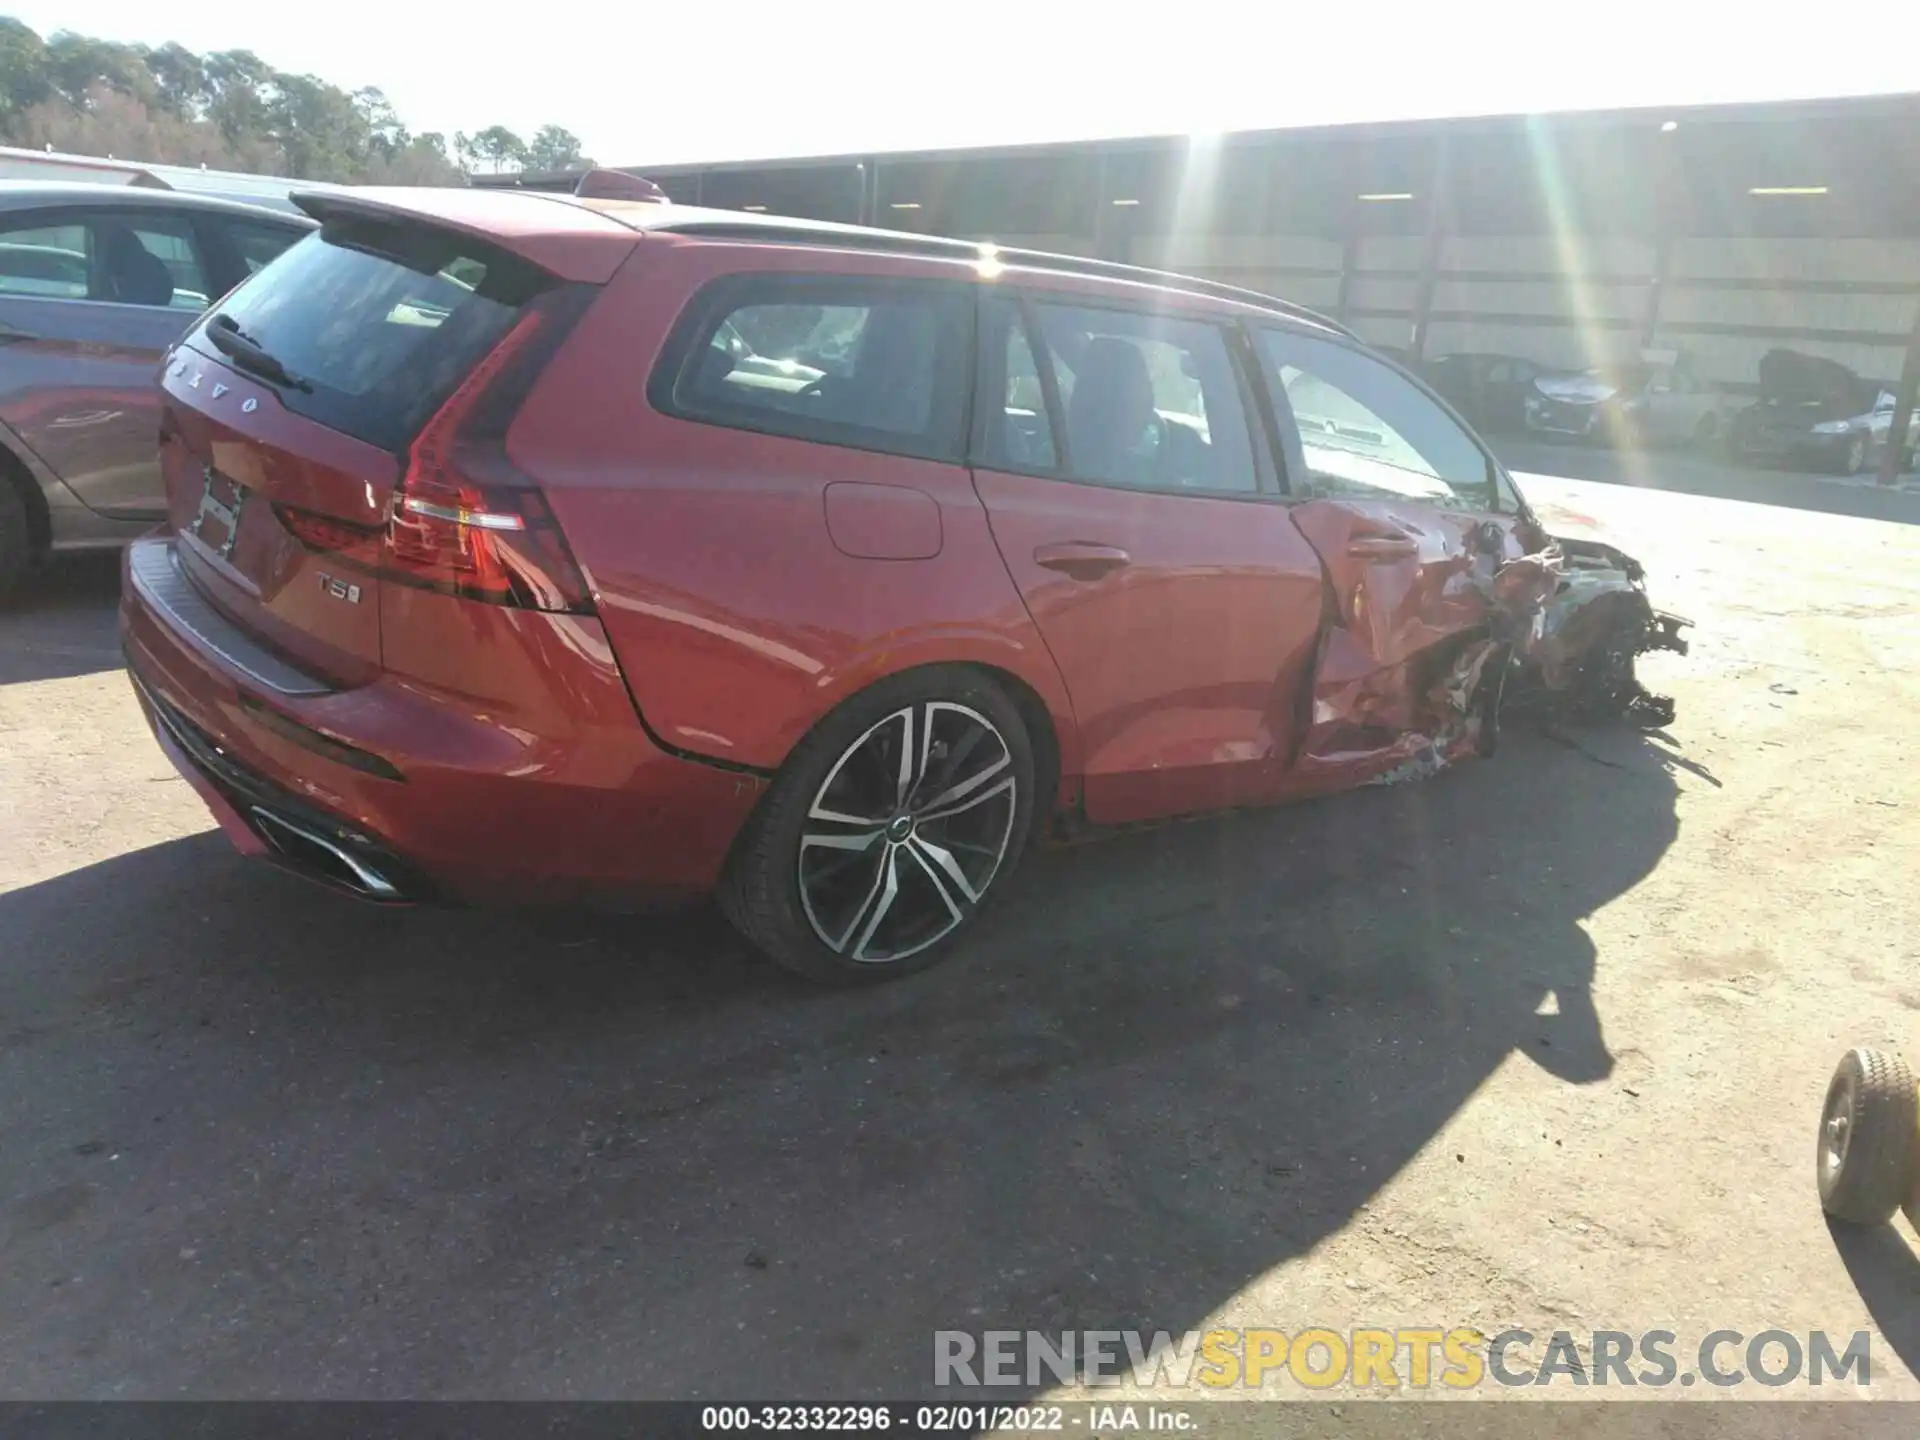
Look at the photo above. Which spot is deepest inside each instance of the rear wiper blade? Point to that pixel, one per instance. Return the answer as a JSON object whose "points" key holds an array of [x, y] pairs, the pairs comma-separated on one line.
{"points": [[227, 336]]}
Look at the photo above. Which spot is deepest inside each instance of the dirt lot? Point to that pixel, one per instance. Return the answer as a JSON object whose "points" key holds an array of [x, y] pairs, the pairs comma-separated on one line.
{"points": [[1540, 1043]]}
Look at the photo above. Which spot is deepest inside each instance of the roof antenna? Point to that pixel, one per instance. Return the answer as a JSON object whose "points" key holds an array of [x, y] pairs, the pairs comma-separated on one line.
{"points": [[599, 184]]}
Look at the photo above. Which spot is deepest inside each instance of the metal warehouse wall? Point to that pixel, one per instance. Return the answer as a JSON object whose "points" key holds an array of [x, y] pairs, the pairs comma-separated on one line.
{"points": [[1721, 232]]}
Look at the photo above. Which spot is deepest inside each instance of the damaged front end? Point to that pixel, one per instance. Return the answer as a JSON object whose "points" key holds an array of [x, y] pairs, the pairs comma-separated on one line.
{"points": [[1435, 630], [1580, 660]]}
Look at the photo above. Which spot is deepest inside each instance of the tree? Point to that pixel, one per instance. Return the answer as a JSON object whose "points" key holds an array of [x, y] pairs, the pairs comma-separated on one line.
{"points": [[180, 80], [23, 70], [76, 64], [239, 85], [319, 130], [555, 148], [385, 134], [231, 110], [423, 160], [499, 147]]}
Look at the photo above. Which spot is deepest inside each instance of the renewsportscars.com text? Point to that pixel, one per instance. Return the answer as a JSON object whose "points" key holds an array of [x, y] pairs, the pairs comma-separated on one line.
{"points": [[1412, 1358]]}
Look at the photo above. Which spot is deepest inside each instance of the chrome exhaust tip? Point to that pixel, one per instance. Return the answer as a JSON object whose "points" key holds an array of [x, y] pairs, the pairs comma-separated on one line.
{"points": [[316, 852]]}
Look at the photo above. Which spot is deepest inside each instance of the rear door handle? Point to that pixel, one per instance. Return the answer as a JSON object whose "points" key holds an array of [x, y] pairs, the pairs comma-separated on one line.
{"points": [[1081, 562], [1381, 547]]}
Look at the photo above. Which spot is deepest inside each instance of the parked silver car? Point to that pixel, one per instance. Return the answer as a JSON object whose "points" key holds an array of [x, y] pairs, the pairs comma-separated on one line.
{"points": [[1643, 402], [96, 281]]}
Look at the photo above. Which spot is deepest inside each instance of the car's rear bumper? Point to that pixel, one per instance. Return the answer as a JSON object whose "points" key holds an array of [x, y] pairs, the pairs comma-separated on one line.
{"points": [[398, 791]]}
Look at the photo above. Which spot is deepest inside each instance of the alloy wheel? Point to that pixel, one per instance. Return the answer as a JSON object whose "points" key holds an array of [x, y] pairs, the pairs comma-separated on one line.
{"points": [[907, 832]]}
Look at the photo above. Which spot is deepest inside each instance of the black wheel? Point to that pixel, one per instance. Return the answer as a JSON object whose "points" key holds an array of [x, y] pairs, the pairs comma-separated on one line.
{"points": [[886, 830], [1855, 460], [16, 537], [1867, 1140]]}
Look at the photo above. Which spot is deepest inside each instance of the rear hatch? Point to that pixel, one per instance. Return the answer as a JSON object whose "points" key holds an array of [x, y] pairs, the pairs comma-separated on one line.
{"points": [[303, 410]]}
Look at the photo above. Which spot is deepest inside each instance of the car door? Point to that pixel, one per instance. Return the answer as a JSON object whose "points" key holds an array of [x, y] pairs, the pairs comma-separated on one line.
{"points": [[1413, 522], [90, 298], [1135, 510]]}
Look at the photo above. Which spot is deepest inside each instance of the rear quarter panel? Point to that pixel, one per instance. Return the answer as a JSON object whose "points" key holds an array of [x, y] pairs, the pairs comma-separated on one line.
{"points": [[737, 621]]}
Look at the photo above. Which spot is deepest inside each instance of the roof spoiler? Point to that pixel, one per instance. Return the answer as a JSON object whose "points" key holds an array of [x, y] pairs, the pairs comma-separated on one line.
{"points": [[599, 184]]}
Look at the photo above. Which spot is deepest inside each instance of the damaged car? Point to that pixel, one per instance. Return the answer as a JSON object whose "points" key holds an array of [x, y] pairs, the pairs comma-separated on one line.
{"points": [[496, 570], [1818, 413], [1654, 400]]}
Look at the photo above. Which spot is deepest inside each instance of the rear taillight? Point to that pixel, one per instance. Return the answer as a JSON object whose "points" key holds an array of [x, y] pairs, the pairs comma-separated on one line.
{"points": [[463, 521], [485, 542]]}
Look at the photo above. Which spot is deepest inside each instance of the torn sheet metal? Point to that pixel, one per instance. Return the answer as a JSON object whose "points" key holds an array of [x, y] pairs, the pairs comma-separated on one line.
{"points": [[1590, 633], [1435, 618]]}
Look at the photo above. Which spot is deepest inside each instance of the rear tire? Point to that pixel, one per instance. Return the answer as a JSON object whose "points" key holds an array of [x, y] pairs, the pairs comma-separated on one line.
{"points": [[852, 869], [1865, 1158], [16, 538]]}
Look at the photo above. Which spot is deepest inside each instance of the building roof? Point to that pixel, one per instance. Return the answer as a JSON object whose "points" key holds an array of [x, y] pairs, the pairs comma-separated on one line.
{"points": [[1903, 106], [270, 191]]}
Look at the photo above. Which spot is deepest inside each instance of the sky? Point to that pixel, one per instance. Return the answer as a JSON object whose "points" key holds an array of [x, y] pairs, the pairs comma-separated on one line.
{"points": [[738, 79]]}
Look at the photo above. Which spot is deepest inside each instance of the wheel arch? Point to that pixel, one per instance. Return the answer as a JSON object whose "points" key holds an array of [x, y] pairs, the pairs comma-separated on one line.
{"points": [[1026, 672]]}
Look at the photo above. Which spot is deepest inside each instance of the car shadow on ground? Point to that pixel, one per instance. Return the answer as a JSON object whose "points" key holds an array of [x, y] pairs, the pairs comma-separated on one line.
{"points": [[62, 621], [259, 1140], [1885, 1271]]}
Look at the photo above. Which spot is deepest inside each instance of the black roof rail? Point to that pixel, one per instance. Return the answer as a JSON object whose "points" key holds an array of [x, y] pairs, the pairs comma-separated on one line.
{"points": [[943, 248]]}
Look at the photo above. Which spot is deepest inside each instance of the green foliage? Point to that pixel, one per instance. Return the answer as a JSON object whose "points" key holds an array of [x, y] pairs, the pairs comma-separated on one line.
{"points": [[230, 110]]}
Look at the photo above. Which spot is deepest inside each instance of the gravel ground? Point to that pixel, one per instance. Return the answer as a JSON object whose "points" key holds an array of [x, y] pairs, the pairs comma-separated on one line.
{"points": [[1539, 1043]]}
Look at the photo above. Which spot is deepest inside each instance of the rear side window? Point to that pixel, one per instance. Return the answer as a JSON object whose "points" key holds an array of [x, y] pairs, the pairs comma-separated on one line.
{"points": [[120, 257], [257, 244], [128, 247], [380, 321], [1150, 402], [867, 363]]}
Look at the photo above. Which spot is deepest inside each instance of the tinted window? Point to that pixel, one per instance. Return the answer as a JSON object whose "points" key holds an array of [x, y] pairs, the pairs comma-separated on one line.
{"points": [[257, 244], [1366, 430], [864, 363], [45, 261], [128, 246], [1149, 401], [382, 321], [1025, 438]]}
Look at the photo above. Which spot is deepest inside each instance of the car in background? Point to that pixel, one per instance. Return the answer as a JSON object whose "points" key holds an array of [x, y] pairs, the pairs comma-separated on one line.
{"points": [[96, 282], [1817, 413], [523, 547], [1655, 400], [1489, 390]]}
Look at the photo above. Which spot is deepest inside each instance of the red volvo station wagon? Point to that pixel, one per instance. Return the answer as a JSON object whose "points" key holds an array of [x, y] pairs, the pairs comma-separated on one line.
{"points": [[526, 547]]}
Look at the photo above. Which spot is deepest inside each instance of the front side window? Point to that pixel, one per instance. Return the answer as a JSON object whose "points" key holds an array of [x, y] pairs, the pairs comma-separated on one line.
{"points": [[1149, 402], [1367, 431], [869, 364]]}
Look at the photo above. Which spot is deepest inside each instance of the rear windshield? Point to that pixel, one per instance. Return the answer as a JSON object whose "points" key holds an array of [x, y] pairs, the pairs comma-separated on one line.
{"points": [[381, 321]]}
